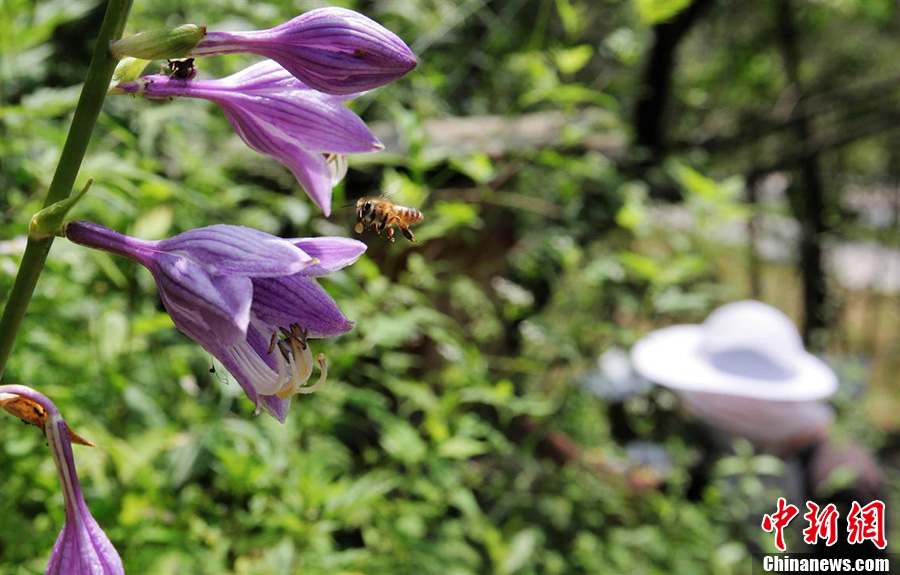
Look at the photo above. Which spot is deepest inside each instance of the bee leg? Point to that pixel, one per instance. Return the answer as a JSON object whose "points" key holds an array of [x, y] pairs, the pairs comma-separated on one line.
{"points": [[409, 235], [391, 234], [358, 228]]}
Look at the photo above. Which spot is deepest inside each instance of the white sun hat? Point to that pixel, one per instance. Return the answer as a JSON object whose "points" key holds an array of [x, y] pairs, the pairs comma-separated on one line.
{"points": [[746, 349]]}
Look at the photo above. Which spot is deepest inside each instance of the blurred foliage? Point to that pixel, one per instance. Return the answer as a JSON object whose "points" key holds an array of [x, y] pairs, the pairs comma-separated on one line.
{"points": [[531, 263]]}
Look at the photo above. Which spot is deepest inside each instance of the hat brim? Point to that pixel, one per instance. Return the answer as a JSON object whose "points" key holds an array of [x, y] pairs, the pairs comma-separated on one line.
{"points": [[672, 357]]}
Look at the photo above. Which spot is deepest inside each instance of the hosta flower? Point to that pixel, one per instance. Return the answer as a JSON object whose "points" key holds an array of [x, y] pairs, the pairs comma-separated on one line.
{"points": [[248, 297], [82, 548], [277, 115], [333, 50]]}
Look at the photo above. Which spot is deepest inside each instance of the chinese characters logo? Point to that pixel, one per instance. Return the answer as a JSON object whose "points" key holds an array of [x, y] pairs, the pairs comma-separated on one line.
{"points": [[864, 523]]}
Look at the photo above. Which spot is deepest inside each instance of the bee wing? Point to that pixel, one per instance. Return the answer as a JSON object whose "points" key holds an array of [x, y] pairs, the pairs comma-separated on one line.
{"points": [[390, 192]]}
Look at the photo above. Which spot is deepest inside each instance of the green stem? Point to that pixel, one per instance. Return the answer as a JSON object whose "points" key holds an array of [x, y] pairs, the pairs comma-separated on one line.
{"points": [[86, 112]]}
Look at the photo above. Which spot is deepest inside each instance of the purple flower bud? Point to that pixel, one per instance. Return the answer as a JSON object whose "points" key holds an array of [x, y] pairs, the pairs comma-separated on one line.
{"points": [[334, 50], [277, 115], [249, 298], [82, 548]]}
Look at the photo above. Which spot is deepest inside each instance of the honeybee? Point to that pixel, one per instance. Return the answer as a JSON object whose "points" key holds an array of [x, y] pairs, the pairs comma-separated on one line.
{"points": [[378, 214]]}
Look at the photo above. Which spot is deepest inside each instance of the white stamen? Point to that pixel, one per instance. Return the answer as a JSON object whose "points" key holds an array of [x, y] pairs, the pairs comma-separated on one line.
{"points": [[262, 378], [302, 364], [323, 375], [337, 167], [294, 367]]}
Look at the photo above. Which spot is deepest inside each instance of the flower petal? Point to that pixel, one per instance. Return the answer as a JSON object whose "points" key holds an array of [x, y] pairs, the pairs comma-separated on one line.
{"points": [[316, 67], [82, 547], [276, 104], [236, 250], [333, 253], [267, 75], [258, 342], [278, 115], [102, 238], [304, 119], [334, 50], [313, 173], [276, 406], [209, 309], [270, 76], [310, 168], [297, 299]]}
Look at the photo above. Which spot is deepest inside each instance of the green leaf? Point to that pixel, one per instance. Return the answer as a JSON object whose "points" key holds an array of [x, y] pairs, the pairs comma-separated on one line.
{"points": [[403, 441], [154, 224], [522, 547], [112, 332], [653, 12], [574, 59], [462, 448], [694, 182], [477, 166], [641, 266], [571, 14]]}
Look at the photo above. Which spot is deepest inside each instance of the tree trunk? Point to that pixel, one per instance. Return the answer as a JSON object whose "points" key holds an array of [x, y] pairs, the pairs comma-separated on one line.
{"points": [[807, 194], [754, 267], [655, 92]]}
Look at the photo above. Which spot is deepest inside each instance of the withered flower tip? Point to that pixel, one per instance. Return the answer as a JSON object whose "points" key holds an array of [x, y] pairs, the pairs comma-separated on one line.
{"points": [[82, 547]]}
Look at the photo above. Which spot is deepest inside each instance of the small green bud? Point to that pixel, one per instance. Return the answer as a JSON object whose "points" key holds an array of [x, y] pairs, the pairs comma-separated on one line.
{"points": [[127, 70], [49, 221], [162, 43]]}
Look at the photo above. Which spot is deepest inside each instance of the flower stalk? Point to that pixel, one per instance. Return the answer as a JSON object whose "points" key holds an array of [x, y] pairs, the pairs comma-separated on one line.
{"points": [[96, 83]]}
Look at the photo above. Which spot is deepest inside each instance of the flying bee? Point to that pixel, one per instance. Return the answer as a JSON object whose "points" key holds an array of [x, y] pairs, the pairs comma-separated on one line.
{"points": [[378, 214], [181, 68]]}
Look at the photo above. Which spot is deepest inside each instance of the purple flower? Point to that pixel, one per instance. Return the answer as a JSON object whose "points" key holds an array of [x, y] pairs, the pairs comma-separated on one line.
{"points": [[277, 115], [334, 50], [249, 298], [82, 548]]}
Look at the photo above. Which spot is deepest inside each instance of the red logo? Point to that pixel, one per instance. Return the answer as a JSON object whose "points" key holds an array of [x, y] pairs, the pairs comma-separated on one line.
{"points": [[779, 520], [863, 523], [822, 525], [869, 525]]}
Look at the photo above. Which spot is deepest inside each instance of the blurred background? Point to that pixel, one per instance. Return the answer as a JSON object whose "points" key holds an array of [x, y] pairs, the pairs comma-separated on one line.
{"points": [[589, 170]]}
